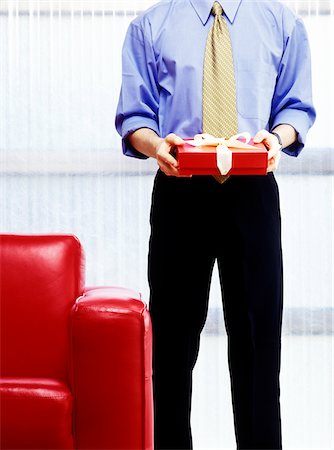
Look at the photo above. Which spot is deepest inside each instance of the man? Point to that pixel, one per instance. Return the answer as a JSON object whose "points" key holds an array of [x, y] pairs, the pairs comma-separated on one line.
{"points": [[174, 86]]}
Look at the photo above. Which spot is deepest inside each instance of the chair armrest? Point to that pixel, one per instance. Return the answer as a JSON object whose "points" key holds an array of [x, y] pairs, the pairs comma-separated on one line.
{"points": [[111, 370]]}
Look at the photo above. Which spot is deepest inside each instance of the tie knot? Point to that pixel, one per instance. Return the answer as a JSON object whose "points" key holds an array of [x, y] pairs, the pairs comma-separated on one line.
{"points": [[217, 9]]}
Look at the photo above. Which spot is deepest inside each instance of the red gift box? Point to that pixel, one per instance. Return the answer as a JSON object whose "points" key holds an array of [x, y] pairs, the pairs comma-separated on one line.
{"points": [[245, 159]]}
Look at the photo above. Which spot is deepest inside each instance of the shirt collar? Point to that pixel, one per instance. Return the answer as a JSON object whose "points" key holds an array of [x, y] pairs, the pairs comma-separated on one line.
{"points": [[203, 8]]}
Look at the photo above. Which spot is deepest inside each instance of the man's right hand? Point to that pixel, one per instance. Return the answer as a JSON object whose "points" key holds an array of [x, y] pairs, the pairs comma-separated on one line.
{"points": [[167, 163], [150, 144]]}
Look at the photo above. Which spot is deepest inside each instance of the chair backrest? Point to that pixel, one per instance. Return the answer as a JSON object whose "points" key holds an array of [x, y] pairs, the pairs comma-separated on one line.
{"points": [[41, 277]]}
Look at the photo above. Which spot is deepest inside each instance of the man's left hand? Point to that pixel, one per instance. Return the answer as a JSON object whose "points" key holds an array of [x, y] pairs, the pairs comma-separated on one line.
{"points": [[273, 146]]}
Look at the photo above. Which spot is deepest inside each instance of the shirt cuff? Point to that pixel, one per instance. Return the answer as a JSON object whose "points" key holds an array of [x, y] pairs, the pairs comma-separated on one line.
{"points": [[300, 121], [130, 125]]}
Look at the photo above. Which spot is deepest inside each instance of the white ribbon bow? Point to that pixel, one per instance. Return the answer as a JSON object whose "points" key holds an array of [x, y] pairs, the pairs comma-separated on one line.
{"points": [[224, 155], [209, 140]]}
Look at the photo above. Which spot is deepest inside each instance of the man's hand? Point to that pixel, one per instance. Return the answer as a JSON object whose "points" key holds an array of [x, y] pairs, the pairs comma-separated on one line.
{"points": [[273, 146], [150, 144], [165, 160]]}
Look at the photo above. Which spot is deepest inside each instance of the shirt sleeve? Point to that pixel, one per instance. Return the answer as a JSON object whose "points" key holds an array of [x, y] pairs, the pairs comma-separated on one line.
{"points": [[139, 97], [292, 101]]}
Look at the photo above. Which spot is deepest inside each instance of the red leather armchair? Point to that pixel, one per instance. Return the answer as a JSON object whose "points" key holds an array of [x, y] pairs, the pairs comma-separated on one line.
{"points": [[75, 361]]}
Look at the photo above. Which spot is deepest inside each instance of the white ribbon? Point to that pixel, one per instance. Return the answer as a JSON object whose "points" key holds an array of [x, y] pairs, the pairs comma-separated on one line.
{"points": [[224, 159], [212, 141]]}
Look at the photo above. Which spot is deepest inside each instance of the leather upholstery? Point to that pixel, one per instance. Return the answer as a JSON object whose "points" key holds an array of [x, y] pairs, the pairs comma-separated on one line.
{"points": [[36, 412], [104, 332], [75, 362], [41, 278]]}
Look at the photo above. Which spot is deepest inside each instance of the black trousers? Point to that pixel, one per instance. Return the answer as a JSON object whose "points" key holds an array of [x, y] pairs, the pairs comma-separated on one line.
{"points": [[195, 221]]}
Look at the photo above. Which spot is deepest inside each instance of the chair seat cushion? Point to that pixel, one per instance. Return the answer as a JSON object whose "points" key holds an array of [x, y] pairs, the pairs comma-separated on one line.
{"points": [[36, 413]]}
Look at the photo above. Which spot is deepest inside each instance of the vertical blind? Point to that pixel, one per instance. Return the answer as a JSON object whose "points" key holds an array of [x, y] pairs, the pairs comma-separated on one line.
{"points": [[62, 170]]}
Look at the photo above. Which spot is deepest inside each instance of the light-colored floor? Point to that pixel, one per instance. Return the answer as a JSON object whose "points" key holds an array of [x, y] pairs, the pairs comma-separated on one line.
{"points": [[306, 394]]}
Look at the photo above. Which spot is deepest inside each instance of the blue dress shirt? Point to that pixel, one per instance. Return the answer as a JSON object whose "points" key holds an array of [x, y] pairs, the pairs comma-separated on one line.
{"points": [[163, 57]]}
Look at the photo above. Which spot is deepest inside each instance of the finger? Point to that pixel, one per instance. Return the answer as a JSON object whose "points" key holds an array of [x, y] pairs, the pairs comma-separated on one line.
{"points": [[168, 169], [167, 172], [271, 167], [273, 152], [260, 136], [166, 158], [273, 163], [173, 139]]}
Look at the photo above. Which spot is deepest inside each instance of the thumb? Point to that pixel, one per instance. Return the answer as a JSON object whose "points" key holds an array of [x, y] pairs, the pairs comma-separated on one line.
{"points": [[260, 136], [173, 139]]}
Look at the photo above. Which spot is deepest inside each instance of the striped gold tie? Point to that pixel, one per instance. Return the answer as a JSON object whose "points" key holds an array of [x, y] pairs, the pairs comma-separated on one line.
{"points": [[219, 95]]}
